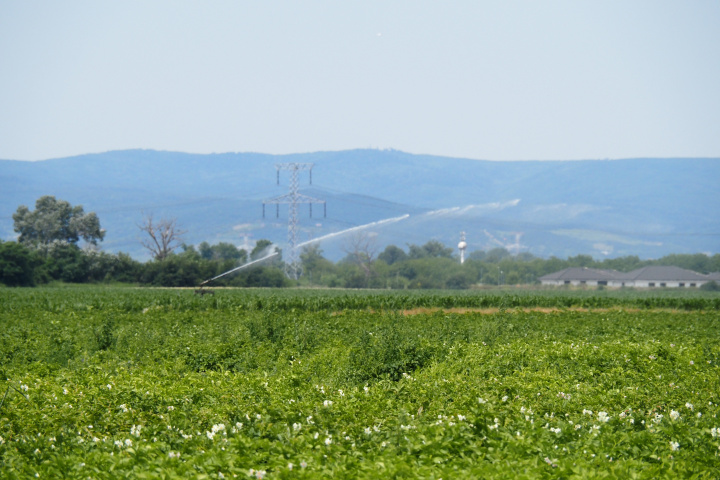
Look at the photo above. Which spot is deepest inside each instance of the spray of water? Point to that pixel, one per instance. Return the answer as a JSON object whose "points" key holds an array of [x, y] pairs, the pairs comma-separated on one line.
{"points": [[242, 266], [442, 211], [467, 208], [355, 229]]}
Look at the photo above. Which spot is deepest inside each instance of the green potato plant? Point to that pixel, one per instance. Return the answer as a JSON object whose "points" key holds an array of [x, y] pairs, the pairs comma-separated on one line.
{"points": [[134, 383]]}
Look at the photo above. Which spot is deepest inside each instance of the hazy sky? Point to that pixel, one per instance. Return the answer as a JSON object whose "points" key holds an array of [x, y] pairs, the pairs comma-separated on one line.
{"points": [[499, 80]]}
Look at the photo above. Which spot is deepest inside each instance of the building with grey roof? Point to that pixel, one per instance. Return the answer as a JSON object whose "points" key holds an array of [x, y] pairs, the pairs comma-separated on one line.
{"points": [[660, 276], [645, 277], [579, 276], [715, 277]]}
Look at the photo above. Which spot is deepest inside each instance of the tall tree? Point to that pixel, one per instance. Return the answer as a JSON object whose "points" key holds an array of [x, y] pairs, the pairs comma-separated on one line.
{"points": [[164, 236], [56, 220], [433, 248], [227, 251], [261, 249], [221, 251], [314, 265], [392, 254], [361, 248]]}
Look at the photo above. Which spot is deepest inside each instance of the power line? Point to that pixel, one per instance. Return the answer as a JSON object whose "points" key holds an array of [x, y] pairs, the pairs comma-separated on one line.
{"points": [[293, 199]]}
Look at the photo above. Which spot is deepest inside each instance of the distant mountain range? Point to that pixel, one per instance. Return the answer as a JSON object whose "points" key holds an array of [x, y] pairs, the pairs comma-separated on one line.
{"points": [[648, 207]]}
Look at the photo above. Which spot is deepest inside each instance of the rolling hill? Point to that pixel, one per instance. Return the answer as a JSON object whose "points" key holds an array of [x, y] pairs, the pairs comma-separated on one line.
{"points": [[645, 207]]}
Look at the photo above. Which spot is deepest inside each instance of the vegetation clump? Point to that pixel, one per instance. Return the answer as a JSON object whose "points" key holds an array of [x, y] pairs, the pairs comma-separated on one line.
{"points": [[47, 250], [109, 382]]}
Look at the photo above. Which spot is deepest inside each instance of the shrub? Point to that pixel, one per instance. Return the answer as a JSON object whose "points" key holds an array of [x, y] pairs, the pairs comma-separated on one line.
{"points": [[17, 266]]}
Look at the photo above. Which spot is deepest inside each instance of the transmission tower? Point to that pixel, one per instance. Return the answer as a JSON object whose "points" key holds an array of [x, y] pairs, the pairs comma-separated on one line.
{"points": [[293, 198]]}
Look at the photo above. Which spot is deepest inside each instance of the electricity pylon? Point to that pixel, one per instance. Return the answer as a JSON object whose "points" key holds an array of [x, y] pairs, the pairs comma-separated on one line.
{"points": [[293, 199]]}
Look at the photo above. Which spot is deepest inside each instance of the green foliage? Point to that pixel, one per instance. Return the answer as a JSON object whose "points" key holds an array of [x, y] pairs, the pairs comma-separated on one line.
{"points": [[17, 265], [316, 268], [389, 351], [265, 277], [56, 220], [261, 249], [66, 262], [459, 281], [105, 333], [106, 267], [392, 254], [222, 251], [172, 271], [190, 267], [496, 255], [698, 262], [433, 249], [580, 261], [132, 383], [427, 267]]}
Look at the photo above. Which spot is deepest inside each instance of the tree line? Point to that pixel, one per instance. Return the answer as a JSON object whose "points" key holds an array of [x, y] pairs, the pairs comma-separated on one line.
{"points": [[47, 250]]}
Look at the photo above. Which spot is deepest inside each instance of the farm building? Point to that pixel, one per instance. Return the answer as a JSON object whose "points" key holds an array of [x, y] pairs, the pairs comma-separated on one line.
{"points": [[580, 276], [646, 277]]}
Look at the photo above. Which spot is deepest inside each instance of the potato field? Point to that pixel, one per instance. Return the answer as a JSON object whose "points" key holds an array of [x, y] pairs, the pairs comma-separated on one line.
{"points": [[107, 383]]}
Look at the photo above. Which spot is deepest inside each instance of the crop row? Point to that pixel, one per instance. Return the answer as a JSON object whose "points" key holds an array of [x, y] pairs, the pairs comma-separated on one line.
{"points": [[179, 386], [136, 299]]}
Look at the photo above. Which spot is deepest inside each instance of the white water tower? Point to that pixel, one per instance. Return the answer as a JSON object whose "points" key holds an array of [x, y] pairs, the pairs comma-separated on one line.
{"points": [[462, 246]]}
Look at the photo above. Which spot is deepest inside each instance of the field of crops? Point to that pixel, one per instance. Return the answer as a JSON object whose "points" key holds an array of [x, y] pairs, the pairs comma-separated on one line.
{"points": [[152, 383]]}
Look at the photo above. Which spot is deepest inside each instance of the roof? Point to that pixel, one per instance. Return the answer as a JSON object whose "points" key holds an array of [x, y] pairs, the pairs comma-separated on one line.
{"points": [[581, 273], [651, 274], [660, 273]]}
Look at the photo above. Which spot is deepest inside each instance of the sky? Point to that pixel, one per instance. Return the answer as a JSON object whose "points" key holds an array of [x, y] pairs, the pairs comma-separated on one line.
{"points": [[501, 80]]}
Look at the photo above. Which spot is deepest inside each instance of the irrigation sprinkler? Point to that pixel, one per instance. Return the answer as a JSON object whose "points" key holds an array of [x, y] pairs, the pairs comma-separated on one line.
{"points": [[201, 291]]}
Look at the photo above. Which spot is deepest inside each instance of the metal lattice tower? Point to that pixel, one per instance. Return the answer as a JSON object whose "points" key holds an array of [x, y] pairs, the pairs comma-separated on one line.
{"points": [[293, 199]]}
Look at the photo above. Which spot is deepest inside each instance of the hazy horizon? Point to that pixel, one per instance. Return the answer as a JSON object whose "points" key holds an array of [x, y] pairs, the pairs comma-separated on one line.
{"points": [[558, 80], [638, 207], [100, 153]]}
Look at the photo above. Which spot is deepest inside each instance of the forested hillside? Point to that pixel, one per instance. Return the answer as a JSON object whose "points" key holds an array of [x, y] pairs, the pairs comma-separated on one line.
{"points": [[602, 208]]}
